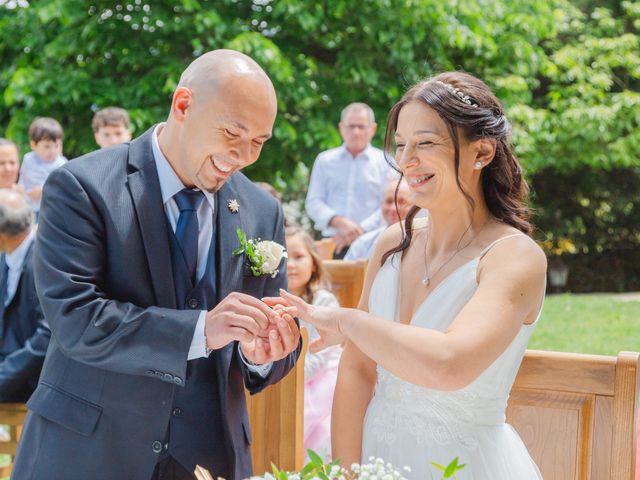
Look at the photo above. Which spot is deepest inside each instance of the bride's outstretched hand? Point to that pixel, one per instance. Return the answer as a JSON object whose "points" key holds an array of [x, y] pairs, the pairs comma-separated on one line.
{"points": [[325, 319]]}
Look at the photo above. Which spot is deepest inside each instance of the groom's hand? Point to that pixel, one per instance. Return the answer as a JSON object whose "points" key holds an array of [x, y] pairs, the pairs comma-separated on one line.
{"points": [[239, 317], [283, 338]]}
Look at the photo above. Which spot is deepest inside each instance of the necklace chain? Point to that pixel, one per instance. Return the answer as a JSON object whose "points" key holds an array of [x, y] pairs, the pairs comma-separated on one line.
{"points": [[426, 279]]}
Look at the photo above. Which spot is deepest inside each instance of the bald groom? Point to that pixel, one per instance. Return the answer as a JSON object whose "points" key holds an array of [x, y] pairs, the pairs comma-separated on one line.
{"points": [[157, 327]]}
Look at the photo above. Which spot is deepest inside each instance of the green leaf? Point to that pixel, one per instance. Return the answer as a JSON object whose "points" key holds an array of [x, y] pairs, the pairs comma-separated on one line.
{"points": [[315, 458]]}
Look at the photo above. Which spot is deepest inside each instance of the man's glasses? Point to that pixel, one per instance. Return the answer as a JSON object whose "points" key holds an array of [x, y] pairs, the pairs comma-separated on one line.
{"points": [[357, 126]]}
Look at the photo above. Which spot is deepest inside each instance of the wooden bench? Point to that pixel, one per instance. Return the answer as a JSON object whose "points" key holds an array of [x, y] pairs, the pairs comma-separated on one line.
{"points": [[276, 415], [12, 415], [347, 279], [325, 248], [577, 414]]}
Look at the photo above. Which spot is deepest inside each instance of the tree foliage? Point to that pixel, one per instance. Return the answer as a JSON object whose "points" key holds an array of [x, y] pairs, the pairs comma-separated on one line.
{"points": [[568, 72], [569, 78]]}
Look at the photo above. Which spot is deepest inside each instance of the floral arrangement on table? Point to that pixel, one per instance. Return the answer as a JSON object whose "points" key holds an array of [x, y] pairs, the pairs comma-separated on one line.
{"points": [[376, 469]]}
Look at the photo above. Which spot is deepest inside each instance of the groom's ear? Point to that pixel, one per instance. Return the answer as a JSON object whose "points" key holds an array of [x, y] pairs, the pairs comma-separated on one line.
{"points": [[182, 99]]}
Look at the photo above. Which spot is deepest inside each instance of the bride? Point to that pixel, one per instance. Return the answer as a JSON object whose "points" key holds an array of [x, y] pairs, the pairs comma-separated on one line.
{"points": [[449, 301]]}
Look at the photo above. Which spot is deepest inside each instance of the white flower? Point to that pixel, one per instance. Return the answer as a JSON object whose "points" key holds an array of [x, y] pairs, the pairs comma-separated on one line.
{"points": [[271, 254]]}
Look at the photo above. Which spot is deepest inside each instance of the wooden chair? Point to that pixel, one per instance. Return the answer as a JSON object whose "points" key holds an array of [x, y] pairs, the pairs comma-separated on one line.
{"points": [[577, 414], [276, 416], [12, 415], [347, 280], [325, 248]]}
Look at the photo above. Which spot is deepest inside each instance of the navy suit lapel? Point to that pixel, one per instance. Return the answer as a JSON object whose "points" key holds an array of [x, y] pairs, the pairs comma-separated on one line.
{"points": [[229, 275], [147, 198]]}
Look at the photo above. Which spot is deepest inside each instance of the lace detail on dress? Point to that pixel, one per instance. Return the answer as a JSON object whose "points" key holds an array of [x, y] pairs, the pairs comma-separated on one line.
{"points": [[430, 416]]}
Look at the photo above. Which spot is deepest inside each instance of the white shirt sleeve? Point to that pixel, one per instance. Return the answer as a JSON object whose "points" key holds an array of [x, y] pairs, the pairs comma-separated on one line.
{"points": [[373, 221], [198, 347], [315, 203], [262, 370]]}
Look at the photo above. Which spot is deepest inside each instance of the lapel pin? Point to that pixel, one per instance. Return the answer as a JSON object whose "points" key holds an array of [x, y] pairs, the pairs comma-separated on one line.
{"points": [[233, 206]]}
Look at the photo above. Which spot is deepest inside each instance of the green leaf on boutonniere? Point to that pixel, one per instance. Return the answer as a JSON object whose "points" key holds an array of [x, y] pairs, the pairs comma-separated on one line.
{"points": [[243, 243]]}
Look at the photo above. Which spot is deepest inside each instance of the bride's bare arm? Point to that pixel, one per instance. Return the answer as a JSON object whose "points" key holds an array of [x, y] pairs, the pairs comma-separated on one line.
{"points": [[510, 290], [356, 378]]}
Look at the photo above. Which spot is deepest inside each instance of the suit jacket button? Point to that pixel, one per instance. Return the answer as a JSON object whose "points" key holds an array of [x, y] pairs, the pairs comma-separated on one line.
{"points": [[177, 380], [193, 303], [168, 377], [177, 412], [156, 446]]}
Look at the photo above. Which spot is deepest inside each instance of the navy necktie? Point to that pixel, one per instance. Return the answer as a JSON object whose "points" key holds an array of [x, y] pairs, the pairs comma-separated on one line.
{"points": [[187, 228]]}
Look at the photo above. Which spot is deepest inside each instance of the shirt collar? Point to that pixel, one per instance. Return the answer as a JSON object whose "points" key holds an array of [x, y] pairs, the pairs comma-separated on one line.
{"points": [[15, 259], [365, 153], [170, 184]]}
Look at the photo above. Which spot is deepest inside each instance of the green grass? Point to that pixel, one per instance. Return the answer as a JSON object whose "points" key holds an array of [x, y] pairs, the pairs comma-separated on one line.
{"points": [[601, 324]]}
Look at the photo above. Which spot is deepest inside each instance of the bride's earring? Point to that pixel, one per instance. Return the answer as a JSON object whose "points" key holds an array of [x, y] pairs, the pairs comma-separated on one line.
{"points": [[477, 165]]}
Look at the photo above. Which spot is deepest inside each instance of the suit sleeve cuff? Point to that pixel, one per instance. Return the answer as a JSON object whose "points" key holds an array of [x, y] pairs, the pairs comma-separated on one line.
{"points": [[198, 348], [262, 370]]}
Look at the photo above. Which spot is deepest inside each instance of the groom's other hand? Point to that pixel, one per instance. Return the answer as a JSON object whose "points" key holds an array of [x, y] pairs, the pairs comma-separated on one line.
{"points": [[282, 340], [239, 317]]}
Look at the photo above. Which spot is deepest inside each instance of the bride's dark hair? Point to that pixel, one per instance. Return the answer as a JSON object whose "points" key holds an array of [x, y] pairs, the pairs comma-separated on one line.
{"points": [[504, 188]]}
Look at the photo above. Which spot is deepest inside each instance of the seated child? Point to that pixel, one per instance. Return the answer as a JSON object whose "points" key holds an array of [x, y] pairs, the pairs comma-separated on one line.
{"points": [[9, 164], [45, 139], [307, 280], [111, 126]]}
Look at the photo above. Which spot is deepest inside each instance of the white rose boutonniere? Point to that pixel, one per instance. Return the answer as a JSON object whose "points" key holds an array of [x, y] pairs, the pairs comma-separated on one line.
{"points": [[264, 255]]}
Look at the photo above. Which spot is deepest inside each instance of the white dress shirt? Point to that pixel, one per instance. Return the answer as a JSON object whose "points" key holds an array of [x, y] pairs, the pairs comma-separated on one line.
{"points": [[362, 247], [15, 262], [170, 184], [349, 186]]}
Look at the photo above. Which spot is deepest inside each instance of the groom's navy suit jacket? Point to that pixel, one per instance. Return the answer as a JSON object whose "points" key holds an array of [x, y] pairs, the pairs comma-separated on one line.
{"points": [[118, 354]]}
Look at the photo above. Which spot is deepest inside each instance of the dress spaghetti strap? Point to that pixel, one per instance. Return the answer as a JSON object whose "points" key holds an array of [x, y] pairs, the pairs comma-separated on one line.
{"points": [[483, 253]]}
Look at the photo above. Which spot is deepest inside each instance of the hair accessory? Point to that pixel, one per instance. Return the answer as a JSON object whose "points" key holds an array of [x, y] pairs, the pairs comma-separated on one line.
{"points": [[478, 165], [457, 93]]}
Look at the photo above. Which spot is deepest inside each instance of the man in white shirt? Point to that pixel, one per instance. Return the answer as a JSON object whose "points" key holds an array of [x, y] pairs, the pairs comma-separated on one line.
{"points": [[347, 182]]}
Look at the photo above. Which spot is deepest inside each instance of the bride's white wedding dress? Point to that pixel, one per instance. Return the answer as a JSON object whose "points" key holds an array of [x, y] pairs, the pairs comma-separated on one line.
{"points": [[413, 426]]}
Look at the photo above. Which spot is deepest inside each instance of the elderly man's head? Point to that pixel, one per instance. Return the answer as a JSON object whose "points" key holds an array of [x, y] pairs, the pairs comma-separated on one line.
{"points": [[357, 127], [16, 218], [388, 204], [222, 113]]}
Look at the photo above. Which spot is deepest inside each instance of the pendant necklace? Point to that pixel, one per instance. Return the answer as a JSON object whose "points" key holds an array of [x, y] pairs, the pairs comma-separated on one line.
{"points": [[426, 279]]}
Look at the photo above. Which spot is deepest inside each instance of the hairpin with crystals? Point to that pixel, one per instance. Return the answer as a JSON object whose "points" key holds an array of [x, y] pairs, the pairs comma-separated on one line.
{"points": [[457, 93]]}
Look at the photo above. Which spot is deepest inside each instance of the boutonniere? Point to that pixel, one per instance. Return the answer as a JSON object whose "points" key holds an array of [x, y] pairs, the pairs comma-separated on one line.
{"points": [[264, 255]]}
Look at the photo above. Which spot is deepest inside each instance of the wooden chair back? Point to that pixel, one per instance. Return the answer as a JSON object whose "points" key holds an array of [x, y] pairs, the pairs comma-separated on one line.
{"points": [[577, 414], [325, 248], [276, 416], [347, 280], [12, 415]]}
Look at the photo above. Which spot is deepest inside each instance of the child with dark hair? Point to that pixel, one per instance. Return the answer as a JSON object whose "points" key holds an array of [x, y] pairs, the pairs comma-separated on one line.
{"points": [[45, 139], [111, 126]]}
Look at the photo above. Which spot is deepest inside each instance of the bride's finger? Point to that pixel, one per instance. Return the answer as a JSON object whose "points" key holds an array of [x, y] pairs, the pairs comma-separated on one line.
{"points": [[273, 301], [297, 302]]}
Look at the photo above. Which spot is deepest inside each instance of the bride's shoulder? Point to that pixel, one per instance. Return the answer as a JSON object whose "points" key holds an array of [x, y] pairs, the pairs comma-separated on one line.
{"points": [[514, 251]]}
